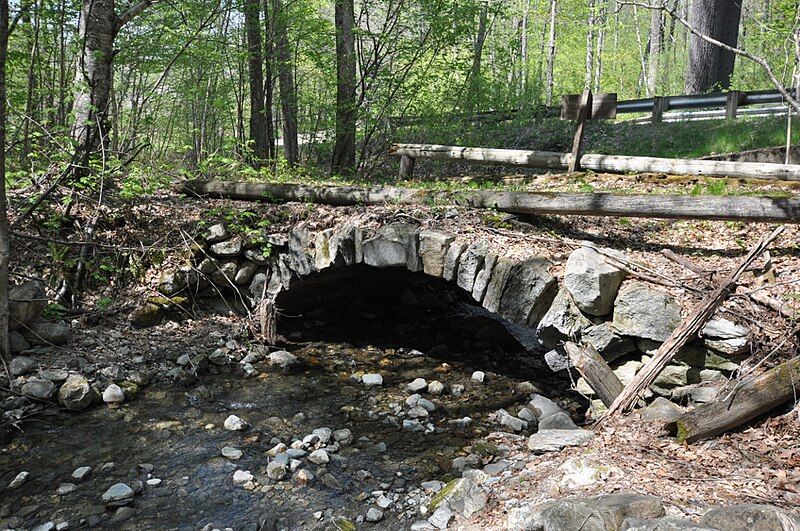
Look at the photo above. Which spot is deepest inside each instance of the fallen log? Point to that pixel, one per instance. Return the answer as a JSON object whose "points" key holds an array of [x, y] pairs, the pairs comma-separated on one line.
{"points": [[595, 371], [686, 331], [730, 208], [745, 402], [596, 162]]}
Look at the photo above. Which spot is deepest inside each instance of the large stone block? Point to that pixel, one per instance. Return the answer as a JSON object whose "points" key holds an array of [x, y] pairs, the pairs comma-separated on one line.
{"points": [[497, 283], [643, 312], [472, 261], [452, 259], [592, 281], [483, 277], [562, 322], [301, 259], [607, 342], [433, 247], [528, 292], [394, 245]]}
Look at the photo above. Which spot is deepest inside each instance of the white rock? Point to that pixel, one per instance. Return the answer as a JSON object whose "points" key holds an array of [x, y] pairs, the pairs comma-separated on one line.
{"points": [[229, 452], [372, 379], [241, 477], [153, 482], [81, 472], [319, 457], [20, 478], [113, 394], [419, 385], [441, 517], [66, 488], [234, 423], [374, 515], [119, 492], [324, 434], [436, 387], [478, 376]]}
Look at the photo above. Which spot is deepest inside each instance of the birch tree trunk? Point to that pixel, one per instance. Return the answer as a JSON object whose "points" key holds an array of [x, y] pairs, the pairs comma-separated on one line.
{"points": [[551, 52], [477, 57], [97, 30], [344, 150]]}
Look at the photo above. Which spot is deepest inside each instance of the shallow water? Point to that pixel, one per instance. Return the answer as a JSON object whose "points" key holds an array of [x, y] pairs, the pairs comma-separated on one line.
{"points": [[169, 427]]}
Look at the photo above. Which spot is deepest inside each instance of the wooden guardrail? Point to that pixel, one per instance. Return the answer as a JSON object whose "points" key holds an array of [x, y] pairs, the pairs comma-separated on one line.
{"points": [[409, 153]]}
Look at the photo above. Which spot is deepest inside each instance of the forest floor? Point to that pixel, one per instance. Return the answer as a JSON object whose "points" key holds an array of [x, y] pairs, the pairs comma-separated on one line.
{"points": [[137, 242]]}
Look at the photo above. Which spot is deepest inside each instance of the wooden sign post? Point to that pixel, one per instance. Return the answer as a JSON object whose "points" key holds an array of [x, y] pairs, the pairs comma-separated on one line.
{"points": [[582, 108]]}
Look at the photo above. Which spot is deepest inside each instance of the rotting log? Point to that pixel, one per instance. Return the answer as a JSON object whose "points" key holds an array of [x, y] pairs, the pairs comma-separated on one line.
{"points": [[601, 163], [727, 208], [595, 371], [748, 400], [686, 331]]}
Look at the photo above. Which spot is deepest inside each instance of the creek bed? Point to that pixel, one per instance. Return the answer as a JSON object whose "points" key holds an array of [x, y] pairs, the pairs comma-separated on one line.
{"points": [[179, 431]]}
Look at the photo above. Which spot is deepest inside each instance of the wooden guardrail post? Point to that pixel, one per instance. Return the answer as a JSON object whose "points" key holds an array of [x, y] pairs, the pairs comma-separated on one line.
{"points": [[584, 114], [660, 106], [735, 98], [407, 166]]}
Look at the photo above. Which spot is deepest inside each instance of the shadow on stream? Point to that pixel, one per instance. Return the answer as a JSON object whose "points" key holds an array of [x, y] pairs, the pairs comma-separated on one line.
{"points": [[175, 434]]}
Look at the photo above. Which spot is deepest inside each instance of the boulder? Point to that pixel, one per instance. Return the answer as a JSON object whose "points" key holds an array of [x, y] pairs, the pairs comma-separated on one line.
{"points": [[542, 406], [747, 517], [562, 322], [284, 360], [661, 409], [224, 273], [172, 282], [216, 233], [528, 292], [557, 421], [26, 302], [394, 245], [452, 259], [245, 273], [113, 394], [557, 359], [22, 365], [76, 393], [464, 496], [592, 281], [472, 261], [228, 249], [41, 389], [47, 333], [17, 342], [607, 342], [598, 513], [433, 247], [643, 312], [545, 441], [118, 495]]}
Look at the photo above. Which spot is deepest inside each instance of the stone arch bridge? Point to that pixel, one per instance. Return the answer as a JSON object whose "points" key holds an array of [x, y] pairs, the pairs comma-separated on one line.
{"points": [[623, 319]]}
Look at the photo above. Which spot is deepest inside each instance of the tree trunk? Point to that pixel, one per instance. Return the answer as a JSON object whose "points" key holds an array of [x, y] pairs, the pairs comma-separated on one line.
{"points": [[258, 118], [551, 53], [656, 40], [269, 81], [97, 30], [344, 150], [288, 93], [750, 399], [710, 67], [5, 240], [587, 83], [477, 58]]}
